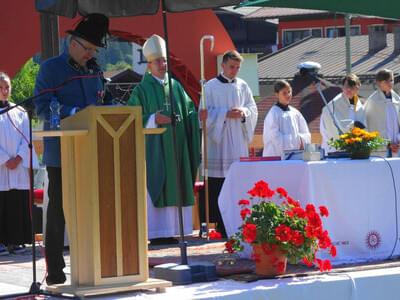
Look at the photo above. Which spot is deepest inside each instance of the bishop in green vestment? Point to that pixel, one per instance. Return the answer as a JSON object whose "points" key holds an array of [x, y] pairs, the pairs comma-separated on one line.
{"points": [[152, 95]]}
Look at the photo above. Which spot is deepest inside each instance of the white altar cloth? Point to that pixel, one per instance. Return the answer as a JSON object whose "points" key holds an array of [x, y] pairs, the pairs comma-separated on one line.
{"points": [[360, 195]]}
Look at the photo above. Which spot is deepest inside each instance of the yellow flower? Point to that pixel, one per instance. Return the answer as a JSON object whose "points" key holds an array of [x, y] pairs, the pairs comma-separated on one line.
{"points": [[357, 139], [357, 131], [343, 136]]}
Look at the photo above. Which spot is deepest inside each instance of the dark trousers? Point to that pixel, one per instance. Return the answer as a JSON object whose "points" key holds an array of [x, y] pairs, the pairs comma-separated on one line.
{"points": [[55, 225], [214, 187], [15, 221]]}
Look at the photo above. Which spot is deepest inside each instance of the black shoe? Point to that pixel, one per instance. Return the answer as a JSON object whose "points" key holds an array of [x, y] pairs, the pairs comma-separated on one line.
{"points": [[163, 241], [59, 279]]}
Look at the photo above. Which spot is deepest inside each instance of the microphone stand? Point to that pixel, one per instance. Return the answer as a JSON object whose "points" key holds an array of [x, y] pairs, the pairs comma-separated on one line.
{"points": [[35, 286]]}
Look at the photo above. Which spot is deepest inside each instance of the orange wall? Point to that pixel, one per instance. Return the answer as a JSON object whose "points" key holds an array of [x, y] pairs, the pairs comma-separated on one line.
{"points": [[20, 30]]}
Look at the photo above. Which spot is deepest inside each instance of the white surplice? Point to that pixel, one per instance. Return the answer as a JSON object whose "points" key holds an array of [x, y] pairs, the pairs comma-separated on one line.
{"points": [[345, 115], [383, 115], [12, 144], [228, 139], [164, 221], [284, 130]]}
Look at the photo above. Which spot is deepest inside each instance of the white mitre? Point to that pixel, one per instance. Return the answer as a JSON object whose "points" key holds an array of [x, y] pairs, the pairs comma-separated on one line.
{"points": [[154, 48]]}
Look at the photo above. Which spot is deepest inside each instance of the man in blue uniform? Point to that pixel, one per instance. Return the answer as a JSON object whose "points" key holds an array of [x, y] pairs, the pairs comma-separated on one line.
{"points": [[76, 81]]}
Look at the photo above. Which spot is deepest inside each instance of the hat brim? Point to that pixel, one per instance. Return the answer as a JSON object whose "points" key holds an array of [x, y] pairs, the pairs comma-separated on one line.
{"points": [[80, 35]]}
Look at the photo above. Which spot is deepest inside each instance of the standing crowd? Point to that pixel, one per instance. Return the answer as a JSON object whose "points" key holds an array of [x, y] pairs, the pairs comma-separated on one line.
{"points": [[230, 115]]}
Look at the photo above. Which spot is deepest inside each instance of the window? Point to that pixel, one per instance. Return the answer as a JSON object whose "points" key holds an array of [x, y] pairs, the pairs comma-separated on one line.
{"points": [[341, 31], [291, 36]]}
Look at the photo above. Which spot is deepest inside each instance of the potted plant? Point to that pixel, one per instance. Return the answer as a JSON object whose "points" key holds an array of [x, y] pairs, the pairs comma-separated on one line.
{"points": [[279, 229], [359, 143]]}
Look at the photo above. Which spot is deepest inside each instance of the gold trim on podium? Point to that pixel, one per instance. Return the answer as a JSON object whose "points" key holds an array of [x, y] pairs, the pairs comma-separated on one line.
{"points": [[104, 200]]}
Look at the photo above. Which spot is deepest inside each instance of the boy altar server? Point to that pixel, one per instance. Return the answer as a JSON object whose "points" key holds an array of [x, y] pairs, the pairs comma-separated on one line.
{"points": [[347, 109], [383, 111], [232, 118], [284, 126]]}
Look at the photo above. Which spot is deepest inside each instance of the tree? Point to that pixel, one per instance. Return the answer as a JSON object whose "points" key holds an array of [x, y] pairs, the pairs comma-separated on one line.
{"points": [[23, 82]]}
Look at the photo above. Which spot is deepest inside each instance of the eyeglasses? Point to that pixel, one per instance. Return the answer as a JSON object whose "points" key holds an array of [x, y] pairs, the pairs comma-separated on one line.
{"points": [[96, 51]]}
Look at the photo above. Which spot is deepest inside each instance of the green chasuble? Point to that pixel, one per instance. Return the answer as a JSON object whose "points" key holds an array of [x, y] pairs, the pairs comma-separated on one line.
{"points": [[151, 95]]}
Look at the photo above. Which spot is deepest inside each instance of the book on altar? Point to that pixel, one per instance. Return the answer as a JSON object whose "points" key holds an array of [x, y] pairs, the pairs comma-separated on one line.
{"points": [[260, 158]]}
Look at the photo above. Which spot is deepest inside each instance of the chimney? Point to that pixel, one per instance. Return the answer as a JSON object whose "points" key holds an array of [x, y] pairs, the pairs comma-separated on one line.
{"points": [[396, 37], [377, 37]]}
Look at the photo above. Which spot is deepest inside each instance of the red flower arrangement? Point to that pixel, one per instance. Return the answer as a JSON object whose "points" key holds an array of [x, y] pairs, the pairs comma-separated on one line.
{"points": [[297, 231]]}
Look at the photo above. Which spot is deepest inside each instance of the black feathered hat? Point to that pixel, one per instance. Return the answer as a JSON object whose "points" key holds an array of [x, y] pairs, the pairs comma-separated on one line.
{"points": [[92, 28]]}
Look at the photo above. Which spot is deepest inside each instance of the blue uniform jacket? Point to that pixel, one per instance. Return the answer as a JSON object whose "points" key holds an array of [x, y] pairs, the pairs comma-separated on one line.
{"points": [[72, 95]]}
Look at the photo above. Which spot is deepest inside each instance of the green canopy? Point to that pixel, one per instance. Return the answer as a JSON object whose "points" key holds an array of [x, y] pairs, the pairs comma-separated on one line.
{"points": [[389, 9]]}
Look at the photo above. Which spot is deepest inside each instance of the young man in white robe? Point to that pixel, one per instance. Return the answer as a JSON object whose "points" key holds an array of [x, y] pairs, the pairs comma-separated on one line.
{"points": [[383, 111], [232, 118], [284, 126], [347, 110]]}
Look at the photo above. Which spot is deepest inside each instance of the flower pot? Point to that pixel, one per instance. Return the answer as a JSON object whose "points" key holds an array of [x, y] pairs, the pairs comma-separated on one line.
{"points": [[361, 154], [264, 266]]}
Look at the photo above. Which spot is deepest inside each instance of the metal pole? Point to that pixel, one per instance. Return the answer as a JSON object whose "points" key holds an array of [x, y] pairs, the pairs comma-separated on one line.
{"points": [[203, 106], [182, 244], [318, 86], [347, 29]]}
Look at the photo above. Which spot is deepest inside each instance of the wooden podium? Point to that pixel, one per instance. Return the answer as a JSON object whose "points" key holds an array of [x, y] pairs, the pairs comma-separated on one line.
{"points": [[104, 200]]}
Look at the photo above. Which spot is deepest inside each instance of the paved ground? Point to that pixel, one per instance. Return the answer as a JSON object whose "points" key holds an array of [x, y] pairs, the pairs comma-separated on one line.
{"points": [[16, 270]]}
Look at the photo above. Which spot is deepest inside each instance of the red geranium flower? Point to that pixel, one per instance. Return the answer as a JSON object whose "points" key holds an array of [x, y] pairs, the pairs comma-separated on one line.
{"points": [[307, 262], [324, 240], [310, 208], [282, 192], [323, 211], [244, 202], [314, 219], [299, 212], [249, 233], [214, 235], [261, 189], [297, 238], [228, 246], [283, 233], [244, 212], [333, 251], [324, 265], [289, 214]]}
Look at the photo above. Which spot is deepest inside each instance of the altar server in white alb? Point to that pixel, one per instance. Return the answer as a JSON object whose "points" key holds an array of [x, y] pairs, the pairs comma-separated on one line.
{"points": [[284, 126], [15, 221], [383, 111], [232, 118], [347, 109]]}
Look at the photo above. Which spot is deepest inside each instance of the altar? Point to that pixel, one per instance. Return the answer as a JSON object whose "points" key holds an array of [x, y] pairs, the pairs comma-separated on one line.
{"points": [[362, 197]]}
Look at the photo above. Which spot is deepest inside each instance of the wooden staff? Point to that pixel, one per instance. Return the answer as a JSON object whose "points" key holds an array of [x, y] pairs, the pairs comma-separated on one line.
{"points": [[203, 106]]}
